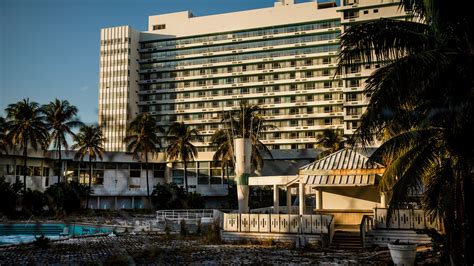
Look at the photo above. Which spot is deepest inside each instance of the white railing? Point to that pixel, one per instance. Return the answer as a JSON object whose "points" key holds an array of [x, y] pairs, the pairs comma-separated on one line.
{"points": [[187, 215], [403, 219], [279, 223]]}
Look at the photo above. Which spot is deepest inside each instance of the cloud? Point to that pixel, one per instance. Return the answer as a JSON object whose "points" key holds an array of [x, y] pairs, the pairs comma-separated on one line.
{"points": [[84, 88]]}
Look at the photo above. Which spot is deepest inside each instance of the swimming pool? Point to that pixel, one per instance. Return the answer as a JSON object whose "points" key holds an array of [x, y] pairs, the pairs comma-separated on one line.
{"points": [[25, 233]]}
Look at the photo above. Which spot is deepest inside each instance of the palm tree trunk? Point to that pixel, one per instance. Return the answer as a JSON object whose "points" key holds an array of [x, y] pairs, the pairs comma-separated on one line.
{"points": [[227, 173], [147, 181], [25, 158], [90, 181], [60, 166], [185, 176]]}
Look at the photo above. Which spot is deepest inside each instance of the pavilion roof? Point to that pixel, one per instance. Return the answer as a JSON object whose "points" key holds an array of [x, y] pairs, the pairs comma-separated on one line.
{"points": [[345, 167]]}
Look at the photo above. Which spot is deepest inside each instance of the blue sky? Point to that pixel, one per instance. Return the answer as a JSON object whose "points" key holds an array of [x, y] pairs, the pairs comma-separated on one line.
{"points": [[50, 48]]}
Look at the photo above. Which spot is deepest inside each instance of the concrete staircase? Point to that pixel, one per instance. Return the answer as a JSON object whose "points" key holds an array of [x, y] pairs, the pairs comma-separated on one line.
{"points": [[346, 240]]}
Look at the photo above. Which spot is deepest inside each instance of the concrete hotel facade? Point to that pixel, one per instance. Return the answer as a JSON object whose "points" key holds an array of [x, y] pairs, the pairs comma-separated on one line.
{"points": [[282, 58]]}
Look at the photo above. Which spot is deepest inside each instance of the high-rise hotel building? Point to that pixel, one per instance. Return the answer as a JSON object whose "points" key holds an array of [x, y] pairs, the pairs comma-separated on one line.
{"points": [[282, 58]]}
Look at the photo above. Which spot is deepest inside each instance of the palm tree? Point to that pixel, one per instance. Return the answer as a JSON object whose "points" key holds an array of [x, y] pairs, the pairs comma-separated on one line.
{"points": [[60, 117], [142, 138], [331, 141], [421, 106], [4, 143], [248, 122], [89, 141], [180, 146], [225, 151], [26, 127]]}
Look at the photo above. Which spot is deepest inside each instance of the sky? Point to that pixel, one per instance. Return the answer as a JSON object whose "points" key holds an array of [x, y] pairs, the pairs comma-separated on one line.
{"points": [[50, 48]]}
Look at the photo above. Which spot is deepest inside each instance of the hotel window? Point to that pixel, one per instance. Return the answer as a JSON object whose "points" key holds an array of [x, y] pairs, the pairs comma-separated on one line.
{"points": [[276, 100], [293, 63], [353, 83], [309, 110], [350, 97], [260, 66], [327, 84], [293, 123], [348, 14], [326, 60], [308, 62], [327, 97], [327, 121], [159, 170], [310, 122], [293, 87], [326, 72], [309, 98], [276, 88], [159, 27]]}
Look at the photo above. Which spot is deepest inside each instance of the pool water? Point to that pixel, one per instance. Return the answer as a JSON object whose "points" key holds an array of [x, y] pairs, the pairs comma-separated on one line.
{"points": [[24, 233]]}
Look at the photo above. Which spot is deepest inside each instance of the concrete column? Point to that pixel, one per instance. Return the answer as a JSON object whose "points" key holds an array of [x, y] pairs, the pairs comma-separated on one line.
{"points": [[320, 198], [301, 197], [383, 200], [98, 202], [276, 199], [288, 200], [133, 202], [243, 152]]}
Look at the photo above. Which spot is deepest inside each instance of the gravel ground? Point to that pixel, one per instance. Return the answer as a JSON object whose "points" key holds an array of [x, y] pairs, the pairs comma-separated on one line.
{"points": [[158, 249]]}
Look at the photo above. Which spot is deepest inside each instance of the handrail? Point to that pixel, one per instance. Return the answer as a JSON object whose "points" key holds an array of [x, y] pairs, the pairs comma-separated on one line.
{"points": [[366, 224], [178, 215]]}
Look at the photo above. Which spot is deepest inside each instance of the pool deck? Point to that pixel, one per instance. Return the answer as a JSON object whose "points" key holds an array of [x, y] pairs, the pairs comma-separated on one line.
{"points": [[156, 249]]}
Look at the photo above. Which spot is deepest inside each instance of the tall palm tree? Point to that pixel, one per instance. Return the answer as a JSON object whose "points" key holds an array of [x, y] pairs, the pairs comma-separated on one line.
{"points": [[142, 139], [26, 127], [247, 122], [60, 117], [89, 141], [4, 143], [180, 145], [330, 140], [421, 106], [225, 151]]}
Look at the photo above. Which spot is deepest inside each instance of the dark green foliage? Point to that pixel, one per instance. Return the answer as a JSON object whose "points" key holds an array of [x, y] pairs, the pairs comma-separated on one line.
{"points": [[421, 108], [194, 201], [34, 201], [172, 196], [42, 242], [67, 196], [8, 196]]}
